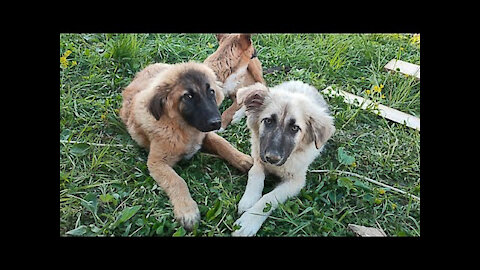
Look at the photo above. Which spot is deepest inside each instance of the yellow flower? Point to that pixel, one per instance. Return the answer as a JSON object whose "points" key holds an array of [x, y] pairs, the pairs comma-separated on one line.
{"points": [[383, 96], [377, 89], [394, 206], [381, 86], [415, 39], [63, 62], [367, 91], [381, 191]]}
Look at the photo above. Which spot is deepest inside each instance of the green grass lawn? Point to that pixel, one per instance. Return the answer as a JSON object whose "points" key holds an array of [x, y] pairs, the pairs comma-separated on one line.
{"points": [[106, 189]]}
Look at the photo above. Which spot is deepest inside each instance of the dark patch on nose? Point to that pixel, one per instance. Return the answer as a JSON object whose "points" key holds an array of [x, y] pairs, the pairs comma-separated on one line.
{"points": [[200, 110], [277, 139], [214, 123], [273, 157]]}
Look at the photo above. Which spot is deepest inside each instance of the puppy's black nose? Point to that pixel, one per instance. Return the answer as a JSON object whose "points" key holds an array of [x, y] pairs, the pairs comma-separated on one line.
{"points": [[272, 158], [214, 123]]}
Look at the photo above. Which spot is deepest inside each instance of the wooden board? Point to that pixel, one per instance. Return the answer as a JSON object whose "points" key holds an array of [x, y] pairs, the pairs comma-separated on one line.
{"points": [[384, 111], [366, 231], [403, 67]]}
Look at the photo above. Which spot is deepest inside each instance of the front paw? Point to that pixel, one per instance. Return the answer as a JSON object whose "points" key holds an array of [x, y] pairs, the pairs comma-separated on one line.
{"points": [[238, 115], [187, 213], [247, 201], [223, 127], [249, 224], [244, 162]]}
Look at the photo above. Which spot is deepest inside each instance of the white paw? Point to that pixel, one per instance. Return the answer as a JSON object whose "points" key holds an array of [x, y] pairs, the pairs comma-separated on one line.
{"points": [[238, 115], [247, 201], [219, 131], [250, 223]]}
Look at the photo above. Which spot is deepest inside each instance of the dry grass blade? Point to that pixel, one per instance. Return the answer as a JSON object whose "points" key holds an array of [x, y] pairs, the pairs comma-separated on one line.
{"points": [[371, 181]]}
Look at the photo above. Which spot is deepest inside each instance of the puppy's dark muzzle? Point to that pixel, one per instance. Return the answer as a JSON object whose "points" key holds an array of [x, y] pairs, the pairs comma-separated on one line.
{"points": [[210, 118], [214, 124], [274, 158]]}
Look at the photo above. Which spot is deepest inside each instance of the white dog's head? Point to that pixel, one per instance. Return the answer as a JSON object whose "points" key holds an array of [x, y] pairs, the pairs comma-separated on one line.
{"points": [[286, 118]]}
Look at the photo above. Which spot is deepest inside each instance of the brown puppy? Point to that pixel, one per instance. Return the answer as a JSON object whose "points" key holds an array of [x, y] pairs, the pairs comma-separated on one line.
{"points": [[169, 110], [236, 64]]}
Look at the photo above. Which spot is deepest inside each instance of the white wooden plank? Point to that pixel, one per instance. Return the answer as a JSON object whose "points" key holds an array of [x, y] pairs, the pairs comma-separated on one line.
{"points": [[384, 111], [404, 67], [366, 231]]}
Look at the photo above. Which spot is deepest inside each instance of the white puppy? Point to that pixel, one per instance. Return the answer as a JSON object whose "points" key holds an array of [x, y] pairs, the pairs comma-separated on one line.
{"points": [[289, 124]]}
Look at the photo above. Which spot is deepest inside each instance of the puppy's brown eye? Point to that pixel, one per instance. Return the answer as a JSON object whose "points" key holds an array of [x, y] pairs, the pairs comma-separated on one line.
{"points": [[188, 96], [295, 128], [212, 91], [267, 121]]}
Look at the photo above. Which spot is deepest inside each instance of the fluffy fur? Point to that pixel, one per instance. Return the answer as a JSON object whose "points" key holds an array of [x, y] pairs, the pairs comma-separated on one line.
{"points": [[152, 112], [299, 109], [236, 66]]}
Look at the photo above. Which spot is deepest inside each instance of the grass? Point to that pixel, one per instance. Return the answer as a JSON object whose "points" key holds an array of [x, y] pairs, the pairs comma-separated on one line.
{"points": [[106, 190]]}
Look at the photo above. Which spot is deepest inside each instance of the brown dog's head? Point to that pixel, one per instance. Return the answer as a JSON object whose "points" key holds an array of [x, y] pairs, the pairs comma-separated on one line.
{"points": [[188, 90], [234, 51]]}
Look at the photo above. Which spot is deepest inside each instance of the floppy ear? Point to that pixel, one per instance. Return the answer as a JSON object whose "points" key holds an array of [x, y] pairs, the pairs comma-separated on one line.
{"points": [[156, 105], [159, 99], [252, 96], [320, 129], [245, 41]]}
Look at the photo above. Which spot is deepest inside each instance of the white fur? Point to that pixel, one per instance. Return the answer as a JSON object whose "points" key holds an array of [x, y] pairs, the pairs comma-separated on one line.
{"points": [[292, 172], [234, 80], [192, 150], [238, 115]]}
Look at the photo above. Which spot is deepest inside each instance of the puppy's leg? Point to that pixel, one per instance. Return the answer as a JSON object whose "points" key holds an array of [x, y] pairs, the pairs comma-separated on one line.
{"points": [[184, 207], [253, 218], [238, 115], [227, 115], [215, 144], [253, 191]]}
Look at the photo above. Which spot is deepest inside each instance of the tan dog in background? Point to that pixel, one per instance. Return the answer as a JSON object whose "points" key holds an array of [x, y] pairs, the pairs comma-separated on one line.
{"points": [[236, 64], [170, 110]]}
